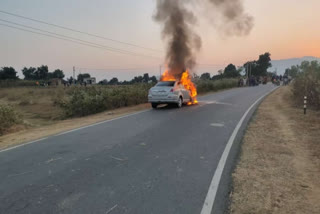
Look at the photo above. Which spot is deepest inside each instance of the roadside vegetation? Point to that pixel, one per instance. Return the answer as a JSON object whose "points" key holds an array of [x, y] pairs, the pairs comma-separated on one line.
{"points": [[278, 169], [205, 86], [90, 100], [8, 118], [306, 83]]}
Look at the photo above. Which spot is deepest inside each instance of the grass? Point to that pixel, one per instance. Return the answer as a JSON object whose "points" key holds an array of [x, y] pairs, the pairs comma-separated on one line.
{"points": [[8, 118], [91, 100], [278, 169], [16, 83], [204, 86]]}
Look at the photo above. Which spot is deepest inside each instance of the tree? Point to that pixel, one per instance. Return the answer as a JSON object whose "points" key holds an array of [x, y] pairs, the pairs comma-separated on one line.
{"points": [[154, 79], [70, 80], [114, 81], [205, 76], [263, 64], [42, 72], [58, 74], [146, 77], [138, 79], [240, 70], [293, 71], [231, 71], [103, 82], [29, 73], [83, 76], [8, 73], [260, 67]]}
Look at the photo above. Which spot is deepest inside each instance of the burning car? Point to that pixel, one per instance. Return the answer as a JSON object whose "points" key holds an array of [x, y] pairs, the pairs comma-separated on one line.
{"points": [[172, 91]]}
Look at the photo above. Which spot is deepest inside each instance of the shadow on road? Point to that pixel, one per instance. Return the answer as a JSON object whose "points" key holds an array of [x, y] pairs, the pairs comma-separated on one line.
{"points": [[164, 107]]}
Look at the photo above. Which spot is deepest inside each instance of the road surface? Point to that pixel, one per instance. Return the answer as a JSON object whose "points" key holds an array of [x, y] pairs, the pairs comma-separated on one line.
{"points": [[154, 162]]}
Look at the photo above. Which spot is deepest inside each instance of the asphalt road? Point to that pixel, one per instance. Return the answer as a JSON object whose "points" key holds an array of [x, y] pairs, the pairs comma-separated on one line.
{"points": [[155, 162]]}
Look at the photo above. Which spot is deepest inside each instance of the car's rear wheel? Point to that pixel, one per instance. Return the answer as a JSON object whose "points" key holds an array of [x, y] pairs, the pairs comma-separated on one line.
{"points": [[180, 102], [154, 105]]}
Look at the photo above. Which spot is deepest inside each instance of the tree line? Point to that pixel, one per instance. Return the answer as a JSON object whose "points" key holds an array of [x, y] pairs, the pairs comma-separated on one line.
{"points": [[42, 74], [256, 68], [31, 73], [145, 78]]}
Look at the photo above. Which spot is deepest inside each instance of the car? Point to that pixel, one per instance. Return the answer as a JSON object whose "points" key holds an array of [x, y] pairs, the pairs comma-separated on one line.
{"points": [[169, 92]]}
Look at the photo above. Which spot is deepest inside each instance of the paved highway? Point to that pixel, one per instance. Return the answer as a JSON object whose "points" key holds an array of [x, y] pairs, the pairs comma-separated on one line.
{"points": [[154, 162]]}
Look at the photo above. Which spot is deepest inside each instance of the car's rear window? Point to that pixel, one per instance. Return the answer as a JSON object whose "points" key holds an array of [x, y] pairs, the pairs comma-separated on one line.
{"points": [[166, 83]]}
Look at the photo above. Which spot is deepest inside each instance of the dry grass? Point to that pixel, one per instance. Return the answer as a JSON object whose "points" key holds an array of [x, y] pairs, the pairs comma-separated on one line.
{"points": [[35, 105], [38, 132], [279, 167]]}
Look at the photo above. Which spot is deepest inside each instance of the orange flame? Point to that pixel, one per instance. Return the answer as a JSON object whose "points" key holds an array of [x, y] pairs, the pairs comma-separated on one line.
{"points": [[186, 82]]}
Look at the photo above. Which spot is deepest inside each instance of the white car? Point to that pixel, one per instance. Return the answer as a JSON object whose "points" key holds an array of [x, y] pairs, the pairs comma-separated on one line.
{"points": [[169, 92]]}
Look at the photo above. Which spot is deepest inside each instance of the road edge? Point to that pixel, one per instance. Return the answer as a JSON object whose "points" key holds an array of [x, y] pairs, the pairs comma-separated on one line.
{"points": [[73, 130], [210, 203]]}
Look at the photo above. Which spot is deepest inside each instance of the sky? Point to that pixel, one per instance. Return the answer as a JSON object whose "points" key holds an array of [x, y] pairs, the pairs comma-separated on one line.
{"points": [[285, 28]]}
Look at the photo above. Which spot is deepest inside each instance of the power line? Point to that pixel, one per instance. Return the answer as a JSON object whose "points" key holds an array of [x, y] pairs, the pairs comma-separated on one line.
{"points": [[117, 69], [137, 68], [73, 38], [77, 31], [210, 65]]}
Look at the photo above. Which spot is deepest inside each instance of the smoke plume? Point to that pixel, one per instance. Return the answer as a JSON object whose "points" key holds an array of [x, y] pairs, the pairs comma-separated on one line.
{"points": [[177, 23], [234, 21], [178, 28]]}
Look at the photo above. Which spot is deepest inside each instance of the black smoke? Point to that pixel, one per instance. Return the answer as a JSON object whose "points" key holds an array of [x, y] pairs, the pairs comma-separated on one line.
{"points": [[234, 21], [179, 21]]}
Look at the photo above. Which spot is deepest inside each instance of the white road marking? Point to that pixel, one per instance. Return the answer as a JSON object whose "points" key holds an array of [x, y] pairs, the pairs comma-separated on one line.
{"points": [[112, 208], [222, 103], [217, 124], [212, 192], [73, 130], [210, 102], [118, 159], [53, 159], [23, 173], [14, 147]]}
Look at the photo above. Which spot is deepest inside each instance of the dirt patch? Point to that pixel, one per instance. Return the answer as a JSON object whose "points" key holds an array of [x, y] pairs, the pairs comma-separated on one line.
{"points": [[279, 167], [38, 132]]}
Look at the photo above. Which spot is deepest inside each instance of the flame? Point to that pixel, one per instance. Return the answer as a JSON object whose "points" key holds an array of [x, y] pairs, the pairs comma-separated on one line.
{"points": [[167, 77], [186, 82]]}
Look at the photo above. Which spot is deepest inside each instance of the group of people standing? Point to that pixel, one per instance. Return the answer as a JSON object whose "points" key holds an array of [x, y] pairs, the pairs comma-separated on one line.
{"points": [[252, 81]]}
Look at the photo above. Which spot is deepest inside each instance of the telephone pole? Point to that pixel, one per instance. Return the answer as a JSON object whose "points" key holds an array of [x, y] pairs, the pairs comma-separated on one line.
{"points": [[74, 72]]}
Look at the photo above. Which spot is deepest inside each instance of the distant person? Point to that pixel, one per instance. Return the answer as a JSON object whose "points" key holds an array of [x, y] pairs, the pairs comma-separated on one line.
{"points": [[285, 80], [240, 82]]}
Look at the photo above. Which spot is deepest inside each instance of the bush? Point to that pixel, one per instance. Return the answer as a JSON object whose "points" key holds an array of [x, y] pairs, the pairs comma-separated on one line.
{"points": [[204, 86], [307, 83], [91, 100], [16, 83], [8, 118]]}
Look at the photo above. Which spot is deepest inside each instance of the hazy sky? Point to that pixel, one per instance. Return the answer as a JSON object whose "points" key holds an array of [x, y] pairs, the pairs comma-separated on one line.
{"points": [[285, 28]]}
